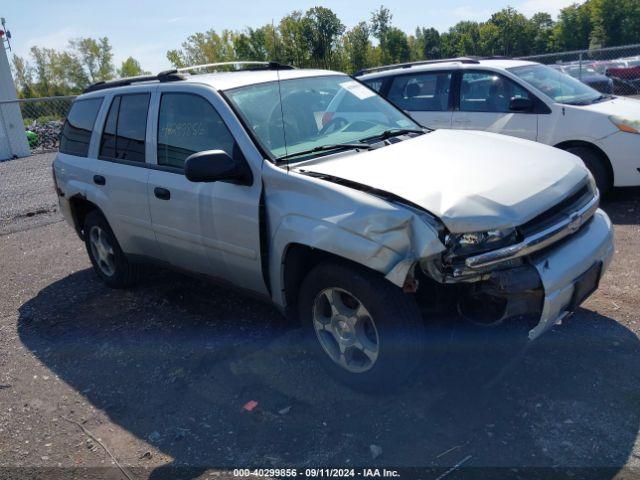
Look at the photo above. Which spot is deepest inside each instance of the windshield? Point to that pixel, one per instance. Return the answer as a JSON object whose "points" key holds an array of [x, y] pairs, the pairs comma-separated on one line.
{"points": [[315, 112], [558, 86]]}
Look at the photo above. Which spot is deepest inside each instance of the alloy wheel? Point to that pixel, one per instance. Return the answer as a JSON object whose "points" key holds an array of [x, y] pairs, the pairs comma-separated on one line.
{"points": [[346, 330], [102, 250]]}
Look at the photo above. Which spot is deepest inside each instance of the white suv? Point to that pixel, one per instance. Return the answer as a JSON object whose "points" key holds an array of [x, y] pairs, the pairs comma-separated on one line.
{"points": [[522, 99], [349, 218]]}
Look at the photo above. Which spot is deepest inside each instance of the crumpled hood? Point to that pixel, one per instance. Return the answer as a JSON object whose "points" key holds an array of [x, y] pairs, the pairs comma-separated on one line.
{"points": [[473, 181]]}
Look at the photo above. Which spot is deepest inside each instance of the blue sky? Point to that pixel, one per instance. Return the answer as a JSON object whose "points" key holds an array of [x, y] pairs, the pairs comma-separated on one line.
{"points": [[146, 29]]}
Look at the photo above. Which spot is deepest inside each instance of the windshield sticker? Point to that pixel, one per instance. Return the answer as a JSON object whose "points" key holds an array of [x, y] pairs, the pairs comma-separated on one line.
{"points": [[357, 89]]}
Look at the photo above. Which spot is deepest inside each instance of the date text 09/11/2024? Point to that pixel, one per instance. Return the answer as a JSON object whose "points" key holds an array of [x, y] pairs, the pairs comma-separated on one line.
{"points": [[317, 472]]}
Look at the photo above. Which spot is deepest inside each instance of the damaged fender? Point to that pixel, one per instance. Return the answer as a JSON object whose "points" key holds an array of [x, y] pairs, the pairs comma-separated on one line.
{"points": [[382, 235]]}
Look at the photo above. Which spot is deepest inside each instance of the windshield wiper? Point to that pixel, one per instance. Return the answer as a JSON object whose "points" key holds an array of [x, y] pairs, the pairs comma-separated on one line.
{"points": [[326, 148], [394, 132], [591, 101]]}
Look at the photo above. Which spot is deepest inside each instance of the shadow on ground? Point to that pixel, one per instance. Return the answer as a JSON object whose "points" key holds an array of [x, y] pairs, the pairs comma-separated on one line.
{"points": [[174, 360], [623, 205]]}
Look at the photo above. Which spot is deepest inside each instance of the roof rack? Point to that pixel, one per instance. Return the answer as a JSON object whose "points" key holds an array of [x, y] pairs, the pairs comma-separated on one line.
{"points": [[413, 64], [166, 76], [183, 73], [251, 65]]}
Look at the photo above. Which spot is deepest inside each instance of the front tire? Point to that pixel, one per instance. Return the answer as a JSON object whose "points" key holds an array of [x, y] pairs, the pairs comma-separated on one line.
{"points": [[361, 328], [107, 258], [596, 165]]}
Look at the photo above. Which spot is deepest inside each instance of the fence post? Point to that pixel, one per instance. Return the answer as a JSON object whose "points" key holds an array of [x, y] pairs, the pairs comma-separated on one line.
{"points": [[580, 69]]}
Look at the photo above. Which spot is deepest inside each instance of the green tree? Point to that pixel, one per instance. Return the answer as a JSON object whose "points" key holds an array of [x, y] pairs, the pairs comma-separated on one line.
{"points": [[630, 24], [462, 39], [490, 39], [251, 45], [295, 50], [23, 77], [95, 56], [322, 30], [131, 68], [43, 60], [573, 28], [397, 46], [427, 44], [541, 26], [204, 47], [380, 27], [514, 32], [357, 47]]}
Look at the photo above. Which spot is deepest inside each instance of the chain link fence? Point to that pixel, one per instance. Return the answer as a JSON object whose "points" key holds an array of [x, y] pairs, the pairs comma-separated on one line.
{"points": [[43, 120], [614, 70]]}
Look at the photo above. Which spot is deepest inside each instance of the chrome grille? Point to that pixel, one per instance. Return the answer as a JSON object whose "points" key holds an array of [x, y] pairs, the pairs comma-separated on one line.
{"points": [[570, 204]]}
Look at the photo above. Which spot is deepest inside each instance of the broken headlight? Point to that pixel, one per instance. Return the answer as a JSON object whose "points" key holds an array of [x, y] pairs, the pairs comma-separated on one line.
{"points": [[476, 242]]}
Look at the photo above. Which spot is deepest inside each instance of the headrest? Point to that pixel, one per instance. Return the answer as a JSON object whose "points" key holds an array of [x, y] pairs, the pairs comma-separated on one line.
{"points": [[413, 90]]}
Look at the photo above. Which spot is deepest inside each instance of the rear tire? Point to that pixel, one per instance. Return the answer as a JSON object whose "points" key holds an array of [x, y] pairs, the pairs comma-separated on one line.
{"points": [[107, 258], [595, 163], [361, 328]]}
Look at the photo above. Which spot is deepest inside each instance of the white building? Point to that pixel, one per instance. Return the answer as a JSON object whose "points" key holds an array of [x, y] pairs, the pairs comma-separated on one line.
{"points": [[13, 141]]}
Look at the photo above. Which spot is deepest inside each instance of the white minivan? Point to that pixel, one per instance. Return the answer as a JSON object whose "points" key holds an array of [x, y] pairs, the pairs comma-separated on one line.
{"points": [[522, 99]]}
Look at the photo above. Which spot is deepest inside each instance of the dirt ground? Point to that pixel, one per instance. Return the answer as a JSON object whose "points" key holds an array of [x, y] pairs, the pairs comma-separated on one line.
{"points": [[158, 375]]}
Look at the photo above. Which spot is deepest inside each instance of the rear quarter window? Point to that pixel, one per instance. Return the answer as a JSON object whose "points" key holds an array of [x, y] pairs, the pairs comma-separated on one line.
{"points": [[76, 133], [374, 84]]}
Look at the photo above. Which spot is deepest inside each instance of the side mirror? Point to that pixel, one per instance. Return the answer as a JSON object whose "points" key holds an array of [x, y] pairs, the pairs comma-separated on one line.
{"points": [[213, 166], [521, 104]]}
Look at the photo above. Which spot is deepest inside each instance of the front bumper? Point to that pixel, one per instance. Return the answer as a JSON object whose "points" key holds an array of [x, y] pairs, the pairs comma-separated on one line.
{"points": [[560, 266]]}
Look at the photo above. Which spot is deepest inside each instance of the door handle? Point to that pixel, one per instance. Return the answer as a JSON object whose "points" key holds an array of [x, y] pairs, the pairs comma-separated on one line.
{"points": [[99, 180], [162, 193], [462, 121]]}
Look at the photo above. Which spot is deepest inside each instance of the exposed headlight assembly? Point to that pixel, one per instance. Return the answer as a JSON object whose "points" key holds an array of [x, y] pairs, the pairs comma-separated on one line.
{"points": [[474, 242], [625, 124]]}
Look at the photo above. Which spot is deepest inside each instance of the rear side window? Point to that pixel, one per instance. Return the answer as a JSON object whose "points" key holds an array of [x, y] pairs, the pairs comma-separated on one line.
{"points": [[188, 124], [488, 92], [76, 133], [421, 92], [123, 136]]}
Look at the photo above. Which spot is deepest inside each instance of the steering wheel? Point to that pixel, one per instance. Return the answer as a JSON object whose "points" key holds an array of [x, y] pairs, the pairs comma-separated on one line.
{"points": [[335, 124], [276, 124]]}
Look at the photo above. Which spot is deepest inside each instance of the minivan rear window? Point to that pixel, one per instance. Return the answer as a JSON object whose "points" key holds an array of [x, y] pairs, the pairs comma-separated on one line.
{"points": [[76, 133], [123, 136]]}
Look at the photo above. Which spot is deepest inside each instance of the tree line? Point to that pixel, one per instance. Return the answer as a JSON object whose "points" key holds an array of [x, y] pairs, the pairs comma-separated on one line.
{"points": [[49, 72], [317, 38]]}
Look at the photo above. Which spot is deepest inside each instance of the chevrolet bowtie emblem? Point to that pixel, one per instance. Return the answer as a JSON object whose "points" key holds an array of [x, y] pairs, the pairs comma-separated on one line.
{"points": [[575, 222]]}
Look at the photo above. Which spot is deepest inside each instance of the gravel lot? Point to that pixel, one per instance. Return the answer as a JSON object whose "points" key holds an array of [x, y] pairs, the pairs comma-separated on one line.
{"points": [[159, 375]]}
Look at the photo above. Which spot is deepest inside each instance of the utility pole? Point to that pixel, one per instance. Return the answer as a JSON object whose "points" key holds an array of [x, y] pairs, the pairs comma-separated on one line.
{"points": [[13, 140]]}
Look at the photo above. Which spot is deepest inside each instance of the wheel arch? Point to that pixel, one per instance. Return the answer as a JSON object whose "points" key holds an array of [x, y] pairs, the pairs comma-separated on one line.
{"points": [[593, 147], [80, 208], [298, 260]]}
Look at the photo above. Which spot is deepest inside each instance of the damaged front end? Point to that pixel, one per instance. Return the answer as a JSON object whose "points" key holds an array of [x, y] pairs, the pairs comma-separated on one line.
{"points": [[541, 270]]}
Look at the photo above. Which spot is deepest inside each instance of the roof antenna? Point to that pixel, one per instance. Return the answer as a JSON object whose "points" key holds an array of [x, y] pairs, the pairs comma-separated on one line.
{"points": [[284, 132]]}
